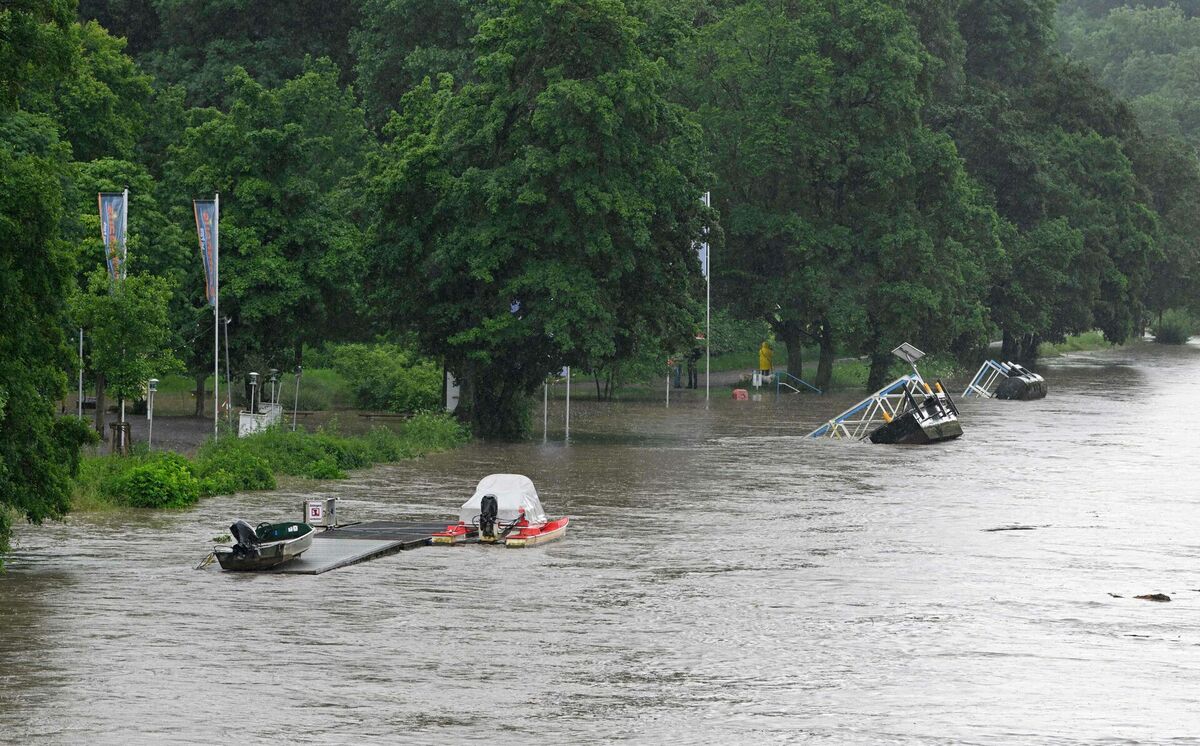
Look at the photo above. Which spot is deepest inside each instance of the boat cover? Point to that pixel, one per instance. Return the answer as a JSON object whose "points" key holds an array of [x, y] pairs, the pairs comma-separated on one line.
{"points": [[513, 492]]}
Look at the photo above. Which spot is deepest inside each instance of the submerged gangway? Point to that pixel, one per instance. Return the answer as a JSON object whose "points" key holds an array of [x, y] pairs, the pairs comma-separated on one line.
{"points": [[881, 407]]}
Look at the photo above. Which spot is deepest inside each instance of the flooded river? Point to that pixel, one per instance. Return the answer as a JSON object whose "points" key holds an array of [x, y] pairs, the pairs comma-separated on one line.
{"points": [[724, 581]]}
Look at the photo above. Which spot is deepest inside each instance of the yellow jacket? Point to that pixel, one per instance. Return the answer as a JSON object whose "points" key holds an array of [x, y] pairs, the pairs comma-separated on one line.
{"points": [[764, 357]]}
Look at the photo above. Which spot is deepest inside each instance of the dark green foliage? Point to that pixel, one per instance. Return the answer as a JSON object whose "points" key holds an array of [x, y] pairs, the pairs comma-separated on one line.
{"points": [[1175, 327], [197, 44], [542, 214], [285, 161], [388, 377], [39, 455], [224, 471], [400, 42], [162, 481]]}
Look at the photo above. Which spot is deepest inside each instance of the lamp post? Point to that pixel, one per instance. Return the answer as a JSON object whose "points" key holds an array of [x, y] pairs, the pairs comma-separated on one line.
{"points": [[253, 390], [150, 412], [296, 399], [274, 377]]}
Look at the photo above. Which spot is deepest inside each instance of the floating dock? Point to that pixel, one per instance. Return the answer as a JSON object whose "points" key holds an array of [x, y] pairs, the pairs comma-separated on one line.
{"points": [[359, 542]]}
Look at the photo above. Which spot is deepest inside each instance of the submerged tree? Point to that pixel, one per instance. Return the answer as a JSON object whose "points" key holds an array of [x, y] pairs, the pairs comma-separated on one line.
{"points": [[542, 214]]}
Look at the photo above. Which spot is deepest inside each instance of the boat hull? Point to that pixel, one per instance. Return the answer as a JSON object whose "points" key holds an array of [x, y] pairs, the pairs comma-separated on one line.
{"points": [[907, 429], [263, 556], [529, 537], [1022, 388]]}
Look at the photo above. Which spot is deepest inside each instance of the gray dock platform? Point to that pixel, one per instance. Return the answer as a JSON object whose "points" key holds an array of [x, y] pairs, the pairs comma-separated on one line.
{"points": [[359, 542]]}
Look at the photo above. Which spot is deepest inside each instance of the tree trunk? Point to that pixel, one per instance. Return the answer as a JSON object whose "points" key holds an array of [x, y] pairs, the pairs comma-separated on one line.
{"points": [[795, 355], [825, 364], [881, 363], [199, 393], [1010, 348], [100, 383]]}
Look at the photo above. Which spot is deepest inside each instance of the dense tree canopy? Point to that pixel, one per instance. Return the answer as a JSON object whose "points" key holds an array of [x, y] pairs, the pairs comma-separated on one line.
{"points": [[542, 214]]}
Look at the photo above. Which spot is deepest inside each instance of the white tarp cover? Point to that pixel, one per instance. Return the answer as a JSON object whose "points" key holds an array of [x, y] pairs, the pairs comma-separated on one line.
{"points": [[512, 491]]}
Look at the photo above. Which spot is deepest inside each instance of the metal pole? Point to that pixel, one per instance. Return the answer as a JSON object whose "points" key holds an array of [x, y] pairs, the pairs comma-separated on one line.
{"points": [[668, 386], [80, 402], [707, 304], [228, 382], [216, 314], [296, 401], [545, 409], [568, 434], [152, 388]]}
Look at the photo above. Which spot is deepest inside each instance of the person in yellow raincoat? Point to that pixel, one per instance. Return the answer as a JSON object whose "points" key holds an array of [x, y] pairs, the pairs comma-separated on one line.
{"points": [[764, 358]]}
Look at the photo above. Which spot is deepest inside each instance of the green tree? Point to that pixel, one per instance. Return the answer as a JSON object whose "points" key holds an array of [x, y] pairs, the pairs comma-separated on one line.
{"points": [[542, 214], [286, 162], [39, 454], [398, 43], [199, 44], [846, 217], [129, 325]]}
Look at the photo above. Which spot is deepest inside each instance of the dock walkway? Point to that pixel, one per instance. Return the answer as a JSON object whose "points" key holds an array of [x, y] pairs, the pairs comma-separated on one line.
{"points": [[359, 542]]}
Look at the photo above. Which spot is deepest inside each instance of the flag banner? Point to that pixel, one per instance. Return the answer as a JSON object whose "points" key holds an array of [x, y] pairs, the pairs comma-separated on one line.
{"points": [[113, 217], [702, 247], [206, 229]]}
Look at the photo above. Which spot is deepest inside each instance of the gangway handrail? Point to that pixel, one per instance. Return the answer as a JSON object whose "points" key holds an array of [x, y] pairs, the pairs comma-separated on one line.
{"points": [[877, 405], [779, 381], [985, 379]]}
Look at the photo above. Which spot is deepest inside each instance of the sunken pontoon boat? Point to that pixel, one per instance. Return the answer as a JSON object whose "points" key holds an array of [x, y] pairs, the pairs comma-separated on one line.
{"points": [[505, 509], [997, 380], [264, 547], [907, 411]]}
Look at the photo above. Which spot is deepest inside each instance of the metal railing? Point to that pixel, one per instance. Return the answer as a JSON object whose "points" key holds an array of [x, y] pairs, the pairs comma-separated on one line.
{"points": [[858, 421], [783, 379], [985, 380]]}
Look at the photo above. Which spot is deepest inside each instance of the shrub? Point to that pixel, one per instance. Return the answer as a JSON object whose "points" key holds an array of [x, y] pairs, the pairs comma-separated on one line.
{"points": [[163, 481], [234, 469], [433, 432], [324, 468], [1175, 327], [388, 377]]}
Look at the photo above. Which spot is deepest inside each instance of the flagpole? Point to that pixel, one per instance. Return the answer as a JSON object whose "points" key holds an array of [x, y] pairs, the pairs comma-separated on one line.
{"points": [[216, 313], [121, 271], [567, 435], [707, 303], [81, 372]]}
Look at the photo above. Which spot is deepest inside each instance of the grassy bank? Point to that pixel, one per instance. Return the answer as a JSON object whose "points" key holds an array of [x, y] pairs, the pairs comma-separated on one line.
{"points": [[170, 480], [1075, 343]]}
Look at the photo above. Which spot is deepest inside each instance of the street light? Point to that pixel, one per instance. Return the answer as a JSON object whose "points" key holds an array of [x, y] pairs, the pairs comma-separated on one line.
{"points": [[253, 389], [150, 412], [274, 373]]}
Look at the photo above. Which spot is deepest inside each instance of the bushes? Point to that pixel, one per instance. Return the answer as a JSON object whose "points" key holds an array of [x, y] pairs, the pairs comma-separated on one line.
{"points": [[168, 480], [234, 470], [388, 377], [163, 481], [1174, 327]]}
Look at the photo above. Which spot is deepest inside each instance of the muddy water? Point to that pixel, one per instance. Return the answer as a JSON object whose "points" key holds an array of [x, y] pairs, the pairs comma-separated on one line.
{"points": [[724, 581]]}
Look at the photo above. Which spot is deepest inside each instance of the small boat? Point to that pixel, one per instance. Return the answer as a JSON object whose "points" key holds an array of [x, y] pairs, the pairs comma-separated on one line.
{"points": [[928, 417], [1021, 384], [505, 509], [264, 547]]}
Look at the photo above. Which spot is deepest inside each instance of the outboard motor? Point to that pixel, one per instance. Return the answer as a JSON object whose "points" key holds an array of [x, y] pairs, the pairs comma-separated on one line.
{"points": [[245, 536], [488, 510]]}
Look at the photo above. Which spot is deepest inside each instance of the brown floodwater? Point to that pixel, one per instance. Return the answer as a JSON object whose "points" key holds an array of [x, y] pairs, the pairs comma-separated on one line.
{"points": [[724, 581]]}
